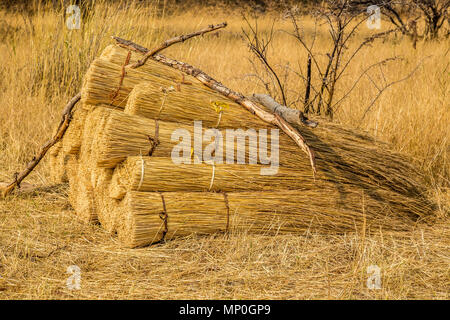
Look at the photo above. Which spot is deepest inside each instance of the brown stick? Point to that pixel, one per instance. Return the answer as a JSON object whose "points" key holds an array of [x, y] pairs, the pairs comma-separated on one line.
{"points": [[174, 40], [63, 125], [266, 116]]}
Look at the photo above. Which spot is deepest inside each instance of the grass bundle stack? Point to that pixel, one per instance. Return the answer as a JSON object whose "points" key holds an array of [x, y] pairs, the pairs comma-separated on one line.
{"points": [[122, 173], [160, 100]]}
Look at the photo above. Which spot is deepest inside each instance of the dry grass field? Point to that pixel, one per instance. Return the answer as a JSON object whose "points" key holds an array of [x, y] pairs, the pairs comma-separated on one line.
{"points": [[42, 68]]}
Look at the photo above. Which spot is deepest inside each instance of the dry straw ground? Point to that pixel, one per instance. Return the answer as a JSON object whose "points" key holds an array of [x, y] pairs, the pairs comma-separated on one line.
{"points": [[42, 67]]}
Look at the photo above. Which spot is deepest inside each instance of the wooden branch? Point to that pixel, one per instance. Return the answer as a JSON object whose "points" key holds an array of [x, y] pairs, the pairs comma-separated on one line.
{"points": [[62, 127], [266, 116], [174, 40], [292, 116]]}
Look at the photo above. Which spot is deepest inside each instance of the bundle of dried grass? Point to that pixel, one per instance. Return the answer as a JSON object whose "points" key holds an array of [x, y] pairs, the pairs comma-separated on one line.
{"points": [[56, 162], [105, 206], [84, 201], [72, 174], [129, 135], [110, 79], [71, 142], [61, 152], [162, 101], [343, 156], [141, 220], [158, 174], [141, 215]]}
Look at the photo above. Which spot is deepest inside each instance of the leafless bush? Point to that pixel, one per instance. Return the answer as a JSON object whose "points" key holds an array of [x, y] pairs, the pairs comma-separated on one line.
{"points": [[320, 94]]}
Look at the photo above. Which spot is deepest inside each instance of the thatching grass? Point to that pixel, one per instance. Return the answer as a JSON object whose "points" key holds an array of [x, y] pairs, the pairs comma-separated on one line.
{"points": [[84, 192], [155, 101], [74, 134], [162, 174], [101, 83], [140, 222]]}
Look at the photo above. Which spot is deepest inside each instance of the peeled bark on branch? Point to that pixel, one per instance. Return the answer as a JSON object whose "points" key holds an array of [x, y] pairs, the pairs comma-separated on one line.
{"points": [[251, 106], [293, 116], [62, 127]]}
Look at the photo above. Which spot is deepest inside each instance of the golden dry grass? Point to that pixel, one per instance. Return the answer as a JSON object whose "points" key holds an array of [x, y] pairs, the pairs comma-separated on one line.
{"points": [[42, 67]]}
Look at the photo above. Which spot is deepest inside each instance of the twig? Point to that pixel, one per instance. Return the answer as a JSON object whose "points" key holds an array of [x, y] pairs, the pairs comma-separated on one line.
{"points": [[259, 48], [380, 91], [266, 116], [63, 125], [174, 40]]}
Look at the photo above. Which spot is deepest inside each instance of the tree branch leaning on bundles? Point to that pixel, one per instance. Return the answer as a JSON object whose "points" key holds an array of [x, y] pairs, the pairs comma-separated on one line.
{"points": [[60, 131], [272, 118]]}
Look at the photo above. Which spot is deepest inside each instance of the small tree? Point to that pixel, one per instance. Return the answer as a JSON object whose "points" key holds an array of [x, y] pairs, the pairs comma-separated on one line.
{"points": [[321, 94]]}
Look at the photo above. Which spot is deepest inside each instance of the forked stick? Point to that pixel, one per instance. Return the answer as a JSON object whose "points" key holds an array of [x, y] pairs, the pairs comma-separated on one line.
{"points": [[266, 116], [174, 40], [62, 127]]}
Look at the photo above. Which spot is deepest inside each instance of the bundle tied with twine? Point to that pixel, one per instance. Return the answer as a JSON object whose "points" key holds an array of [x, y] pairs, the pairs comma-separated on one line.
{"points": [[125, 135], [110, 79], [142, 216], [162, 174]]}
